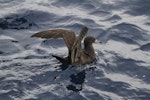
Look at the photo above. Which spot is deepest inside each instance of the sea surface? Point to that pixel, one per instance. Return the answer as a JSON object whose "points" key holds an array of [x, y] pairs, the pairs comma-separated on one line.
{"points": [[122, 67]]}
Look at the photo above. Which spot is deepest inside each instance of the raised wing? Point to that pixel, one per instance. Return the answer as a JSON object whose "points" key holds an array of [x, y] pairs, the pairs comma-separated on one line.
{"points": [[67, 35], [76, 48]]}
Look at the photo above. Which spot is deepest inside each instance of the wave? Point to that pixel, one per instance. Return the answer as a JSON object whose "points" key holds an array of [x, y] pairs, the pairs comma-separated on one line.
{"points": [[29, 72]]}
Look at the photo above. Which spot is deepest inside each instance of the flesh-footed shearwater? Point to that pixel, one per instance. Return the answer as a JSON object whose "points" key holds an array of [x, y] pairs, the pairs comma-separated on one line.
{"points": [[76, 54]]}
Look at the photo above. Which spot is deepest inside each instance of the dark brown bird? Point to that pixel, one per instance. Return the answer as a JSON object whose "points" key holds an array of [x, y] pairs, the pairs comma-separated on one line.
{"points": [[76, 54]]}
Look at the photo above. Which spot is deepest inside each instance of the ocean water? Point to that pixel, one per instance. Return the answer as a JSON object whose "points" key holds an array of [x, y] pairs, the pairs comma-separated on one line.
{"points": [[29, 72]]}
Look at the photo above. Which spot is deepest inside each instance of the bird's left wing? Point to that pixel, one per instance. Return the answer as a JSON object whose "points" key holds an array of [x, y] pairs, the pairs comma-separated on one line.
{"points": [[67, 35]]}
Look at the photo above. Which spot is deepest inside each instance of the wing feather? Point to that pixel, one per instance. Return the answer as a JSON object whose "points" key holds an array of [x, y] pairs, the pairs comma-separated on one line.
{"points": [[67, 35], [76, 48]]}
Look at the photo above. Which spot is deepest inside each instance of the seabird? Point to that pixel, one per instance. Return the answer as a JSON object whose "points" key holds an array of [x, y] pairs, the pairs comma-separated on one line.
{"points": [[76, 54]]}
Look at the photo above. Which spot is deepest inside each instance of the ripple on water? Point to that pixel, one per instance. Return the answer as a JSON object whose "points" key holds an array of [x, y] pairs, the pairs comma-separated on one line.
{"points": [[128, 33], [145, 47], [28, 71], [25, 19]]}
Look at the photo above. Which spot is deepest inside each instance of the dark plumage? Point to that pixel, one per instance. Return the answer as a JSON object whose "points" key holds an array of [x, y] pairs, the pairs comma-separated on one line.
{"points": [[76, 54]]}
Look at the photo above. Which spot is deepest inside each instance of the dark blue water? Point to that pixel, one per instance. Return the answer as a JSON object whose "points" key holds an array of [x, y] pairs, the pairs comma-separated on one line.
{"points": [[29, 72]]}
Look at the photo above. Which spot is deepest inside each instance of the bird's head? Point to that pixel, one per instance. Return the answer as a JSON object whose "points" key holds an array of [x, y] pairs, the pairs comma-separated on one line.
{"points": [[90, 39]]}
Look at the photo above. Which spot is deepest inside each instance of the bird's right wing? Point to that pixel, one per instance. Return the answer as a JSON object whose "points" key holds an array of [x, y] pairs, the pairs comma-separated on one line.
{"points": [[76, 48]]}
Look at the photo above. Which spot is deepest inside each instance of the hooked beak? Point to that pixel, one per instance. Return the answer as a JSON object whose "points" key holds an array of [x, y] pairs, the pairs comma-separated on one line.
{"points": [[97, 42]]}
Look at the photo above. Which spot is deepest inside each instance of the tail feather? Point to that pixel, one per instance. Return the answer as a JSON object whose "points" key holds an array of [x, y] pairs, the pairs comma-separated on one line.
{"points": [[62, 60]]}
